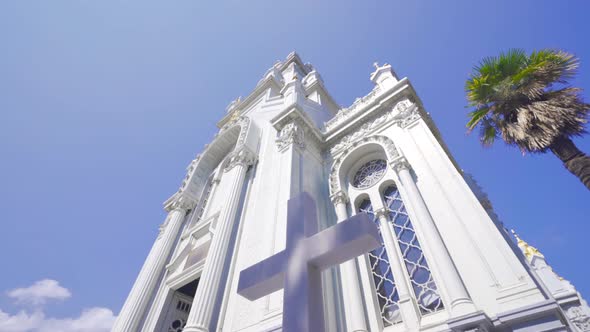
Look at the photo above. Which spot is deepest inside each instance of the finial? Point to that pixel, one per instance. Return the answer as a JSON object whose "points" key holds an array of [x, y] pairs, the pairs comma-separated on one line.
{"points": [[515, 235], [376, 65], [528, 250]]}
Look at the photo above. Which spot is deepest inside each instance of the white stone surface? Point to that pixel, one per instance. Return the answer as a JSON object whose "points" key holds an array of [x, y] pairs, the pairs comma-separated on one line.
{"points": [[303, 141]]}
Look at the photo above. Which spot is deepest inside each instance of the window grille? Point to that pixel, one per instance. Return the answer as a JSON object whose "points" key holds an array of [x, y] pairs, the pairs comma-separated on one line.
{"points": [[369, 174], [387, 294], [423, 284]]}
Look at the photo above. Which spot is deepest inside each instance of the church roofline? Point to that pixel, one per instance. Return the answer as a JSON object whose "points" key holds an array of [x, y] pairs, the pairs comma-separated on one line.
{"points": [[270, 81]]}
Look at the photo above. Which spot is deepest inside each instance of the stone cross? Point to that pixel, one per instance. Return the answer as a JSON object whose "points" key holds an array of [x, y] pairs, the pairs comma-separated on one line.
{"points": [[297, 269]]}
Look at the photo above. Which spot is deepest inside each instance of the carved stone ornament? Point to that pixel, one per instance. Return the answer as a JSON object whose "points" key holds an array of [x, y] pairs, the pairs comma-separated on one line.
{"points": [[390, 152], [183, 203], [291, 133], [399, 164], [242, 157], [354, 109], [241, 121], [580, 318], [402, 114], [339, 198]]}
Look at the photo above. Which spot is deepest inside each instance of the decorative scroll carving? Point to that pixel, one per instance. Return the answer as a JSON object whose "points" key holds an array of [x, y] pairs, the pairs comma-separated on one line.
{"points": [[390, 152], [402, 113], [291, 133], [579, 317], [242, 157]]}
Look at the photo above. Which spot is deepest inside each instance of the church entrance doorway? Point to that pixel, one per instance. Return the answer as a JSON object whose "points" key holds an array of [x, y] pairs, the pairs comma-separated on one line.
{"points": [[179, 307]]}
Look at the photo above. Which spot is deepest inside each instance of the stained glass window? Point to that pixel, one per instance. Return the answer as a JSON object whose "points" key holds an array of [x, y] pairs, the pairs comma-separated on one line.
{"points": [[369, 174], [382, 276], [423, 284]]}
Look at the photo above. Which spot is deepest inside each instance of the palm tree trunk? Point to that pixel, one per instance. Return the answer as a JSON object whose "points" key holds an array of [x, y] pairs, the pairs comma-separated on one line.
{"points": [[576, 161]]}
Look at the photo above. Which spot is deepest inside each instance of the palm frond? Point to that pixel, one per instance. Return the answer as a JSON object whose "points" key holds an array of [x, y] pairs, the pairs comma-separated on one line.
{"points": [[516, 97], [477, 116]]}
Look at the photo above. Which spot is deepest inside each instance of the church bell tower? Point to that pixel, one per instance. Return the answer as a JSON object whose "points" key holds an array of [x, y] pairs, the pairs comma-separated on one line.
{"points": [[445, 262]]}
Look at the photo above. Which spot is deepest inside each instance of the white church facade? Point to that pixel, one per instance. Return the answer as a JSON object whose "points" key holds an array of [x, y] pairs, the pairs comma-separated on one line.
{"points": [[445, 262]]}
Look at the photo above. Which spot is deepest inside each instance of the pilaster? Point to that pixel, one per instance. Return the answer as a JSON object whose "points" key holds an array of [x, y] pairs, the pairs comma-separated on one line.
{"points": [[136, 304], [459, 301], [352, 293], [199, 319]]}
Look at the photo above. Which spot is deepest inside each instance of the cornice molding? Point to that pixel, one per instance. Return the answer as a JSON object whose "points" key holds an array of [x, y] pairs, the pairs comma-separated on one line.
{"points": [[239, 105], [404, 112]]}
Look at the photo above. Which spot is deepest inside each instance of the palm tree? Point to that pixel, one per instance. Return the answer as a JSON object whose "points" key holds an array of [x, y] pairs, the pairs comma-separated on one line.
{"points": [[525, 100]]}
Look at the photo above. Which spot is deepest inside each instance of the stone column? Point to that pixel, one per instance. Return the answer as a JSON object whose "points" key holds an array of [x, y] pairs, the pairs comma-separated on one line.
{"points": [[406, 303], [136, 304], [460, 302], [353, 301], [199, 318]]}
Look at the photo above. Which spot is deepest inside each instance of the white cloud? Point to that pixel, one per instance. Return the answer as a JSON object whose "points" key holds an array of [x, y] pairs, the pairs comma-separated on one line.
{"points": [[40, 292], [91, 320]]}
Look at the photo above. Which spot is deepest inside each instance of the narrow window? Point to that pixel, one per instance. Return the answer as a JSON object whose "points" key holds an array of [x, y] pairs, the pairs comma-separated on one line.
{"points": [[382, 276], [423, 284]]}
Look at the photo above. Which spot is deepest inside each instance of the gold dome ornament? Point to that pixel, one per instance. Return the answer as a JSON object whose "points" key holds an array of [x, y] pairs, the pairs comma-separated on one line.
{"points": [[528, 250]]}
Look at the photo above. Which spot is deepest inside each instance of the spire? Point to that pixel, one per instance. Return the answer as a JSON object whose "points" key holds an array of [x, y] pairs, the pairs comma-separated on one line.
{"points": [[528, 250]]}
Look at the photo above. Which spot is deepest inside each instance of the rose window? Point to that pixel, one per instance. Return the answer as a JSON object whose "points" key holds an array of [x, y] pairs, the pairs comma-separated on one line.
{"points": [[369, 174]]}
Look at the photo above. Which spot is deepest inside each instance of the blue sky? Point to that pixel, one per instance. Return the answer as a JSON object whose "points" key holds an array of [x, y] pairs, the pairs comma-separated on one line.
{"points": [[104, 103]]}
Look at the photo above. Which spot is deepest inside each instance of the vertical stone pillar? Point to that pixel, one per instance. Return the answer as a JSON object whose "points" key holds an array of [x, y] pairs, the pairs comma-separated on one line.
{"points": [[199, 318], [353, 301], [406, 303], [136, 304], [460, 302]]}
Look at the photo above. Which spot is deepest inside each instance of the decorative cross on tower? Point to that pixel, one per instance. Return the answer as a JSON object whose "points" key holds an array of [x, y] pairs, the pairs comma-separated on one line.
{"points": [[297, 268]]}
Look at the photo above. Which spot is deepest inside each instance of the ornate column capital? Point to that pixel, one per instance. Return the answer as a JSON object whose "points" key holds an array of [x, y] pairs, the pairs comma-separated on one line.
{"points": [[180, 201], [399, 164], [242, 156], [291, 133], [339, 197]]}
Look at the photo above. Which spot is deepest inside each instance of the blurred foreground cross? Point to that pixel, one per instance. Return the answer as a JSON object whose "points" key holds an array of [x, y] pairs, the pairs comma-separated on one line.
{"points": [[297, 269]]}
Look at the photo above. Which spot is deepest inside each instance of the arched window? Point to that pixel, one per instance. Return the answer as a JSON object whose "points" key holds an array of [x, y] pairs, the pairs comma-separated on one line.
{"points": [[402, 260], [423, 284], [201, 207], [387, 294]]}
